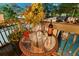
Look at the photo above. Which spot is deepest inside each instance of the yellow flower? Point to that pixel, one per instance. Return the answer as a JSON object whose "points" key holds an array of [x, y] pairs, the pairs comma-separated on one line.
{"points": [[34, 14]]}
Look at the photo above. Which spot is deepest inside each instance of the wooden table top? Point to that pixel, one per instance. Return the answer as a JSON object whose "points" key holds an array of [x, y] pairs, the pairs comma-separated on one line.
{"points": [[27, 52]]}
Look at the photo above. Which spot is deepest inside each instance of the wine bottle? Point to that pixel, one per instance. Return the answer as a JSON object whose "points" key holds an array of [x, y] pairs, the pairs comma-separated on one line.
{"points": [[50, 29]]}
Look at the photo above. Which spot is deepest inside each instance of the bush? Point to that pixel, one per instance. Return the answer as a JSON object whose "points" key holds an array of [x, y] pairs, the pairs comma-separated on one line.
{"points": [[15, 37]]}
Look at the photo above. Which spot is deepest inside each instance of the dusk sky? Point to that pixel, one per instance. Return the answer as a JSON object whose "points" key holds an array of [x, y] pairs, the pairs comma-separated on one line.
{"points": [[23, 5]]}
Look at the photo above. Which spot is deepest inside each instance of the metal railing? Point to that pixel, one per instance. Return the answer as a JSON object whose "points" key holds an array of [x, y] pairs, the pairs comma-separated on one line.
{"points": [[71, 42], [67, 46], [5, 32]]}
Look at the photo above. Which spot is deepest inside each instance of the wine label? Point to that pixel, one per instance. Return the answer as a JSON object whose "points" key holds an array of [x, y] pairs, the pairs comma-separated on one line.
{"points": [[50, 31]]}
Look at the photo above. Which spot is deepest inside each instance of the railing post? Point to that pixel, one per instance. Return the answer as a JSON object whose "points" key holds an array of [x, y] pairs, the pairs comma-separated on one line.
{"points": [[11, 28], [8, 30], [1, 43], [5, 33], [74, 39], [2, 37]]}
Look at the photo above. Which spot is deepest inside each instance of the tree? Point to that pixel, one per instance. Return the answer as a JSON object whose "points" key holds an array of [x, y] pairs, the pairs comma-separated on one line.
{"points": [[67, 8], [48, 7], [8, 12], [55, 9], [51, 9]]}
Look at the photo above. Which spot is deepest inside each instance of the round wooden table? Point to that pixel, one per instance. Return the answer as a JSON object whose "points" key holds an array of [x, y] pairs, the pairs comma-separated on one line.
{"points": [[27, 52]]}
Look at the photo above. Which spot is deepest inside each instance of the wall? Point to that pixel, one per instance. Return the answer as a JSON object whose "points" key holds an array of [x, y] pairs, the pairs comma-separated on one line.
{"points": [[1, 18]]}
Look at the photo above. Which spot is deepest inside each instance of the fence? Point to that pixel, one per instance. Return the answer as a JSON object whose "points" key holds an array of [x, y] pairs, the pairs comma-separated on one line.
{"points": [[67, 46], [68, 38], [5, 32]]}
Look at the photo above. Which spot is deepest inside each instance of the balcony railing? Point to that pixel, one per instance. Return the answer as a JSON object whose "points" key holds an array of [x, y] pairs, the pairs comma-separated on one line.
{"points": [[5, 32], [67, 46], [6, 47]]}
